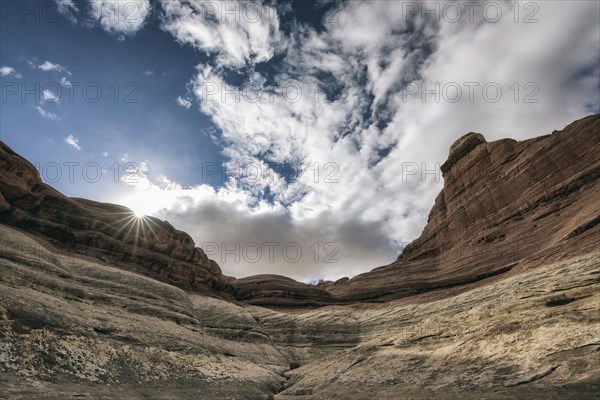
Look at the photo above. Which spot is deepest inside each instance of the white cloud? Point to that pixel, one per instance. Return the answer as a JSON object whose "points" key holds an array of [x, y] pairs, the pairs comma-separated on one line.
{"points": [[372, 137], [237, 32], [72, 141], [65, 82], [121, 18], [67, 8], [187, 103], [8, 71], [66, 4], [196, 209], [47, 114], [148, 73], [48, 66], [104, 154], [49, 96]]}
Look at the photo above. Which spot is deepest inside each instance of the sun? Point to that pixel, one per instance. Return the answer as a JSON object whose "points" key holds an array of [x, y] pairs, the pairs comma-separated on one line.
{"points": [[139, 213], [138, 206], [143, 204]]}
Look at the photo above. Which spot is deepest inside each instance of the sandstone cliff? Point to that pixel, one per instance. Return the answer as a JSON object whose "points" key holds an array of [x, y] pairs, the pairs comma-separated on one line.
{"points": [[497, 298], [104, 231], [506, 206], [75, 328]]}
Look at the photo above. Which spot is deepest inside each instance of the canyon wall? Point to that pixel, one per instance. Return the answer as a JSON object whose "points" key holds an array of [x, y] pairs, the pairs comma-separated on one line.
{"points": [[506, 206]]}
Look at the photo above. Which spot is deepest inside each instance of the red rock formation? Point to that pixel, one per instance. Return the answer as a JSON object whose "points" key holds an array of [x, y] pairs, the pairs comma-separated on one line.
{"points": [[100, 230], [279, 291], [505, 206]]}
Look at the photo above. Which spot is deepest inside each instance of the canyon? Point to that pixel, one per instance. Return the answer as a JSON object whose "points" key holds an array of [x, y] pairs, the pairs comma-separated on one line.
{"points": [[497, 298]]}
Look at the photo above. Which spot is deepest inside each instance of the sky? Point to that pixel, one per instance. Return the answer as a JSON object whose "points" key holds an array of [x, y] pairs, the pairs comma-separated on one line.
{"points": [[293, 137]]}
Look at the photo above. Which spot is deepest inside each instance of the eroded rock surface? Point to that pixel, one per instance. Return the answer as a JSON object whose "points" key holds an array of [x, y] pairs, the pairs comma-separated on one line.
{"points": [[506, 206], [71, 327], [104, 231], [498, 298]]}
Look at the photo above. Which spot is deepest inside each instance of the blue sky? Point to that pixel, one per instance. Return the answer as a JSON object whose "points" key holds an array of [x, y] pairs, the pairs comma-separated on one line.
{"points": [[297, 122], [136, 112]]}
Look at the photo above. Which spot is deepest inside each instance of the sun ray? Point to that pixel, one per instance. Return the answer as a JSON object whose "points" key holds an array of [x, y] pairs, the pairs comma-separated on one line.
{"points": [[129, 219]]}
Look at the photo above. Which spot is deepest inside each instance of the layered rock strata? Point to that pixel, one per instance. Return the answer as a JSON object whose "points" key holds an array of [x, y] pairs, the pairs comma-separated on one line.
{"points": [[506, 206]]}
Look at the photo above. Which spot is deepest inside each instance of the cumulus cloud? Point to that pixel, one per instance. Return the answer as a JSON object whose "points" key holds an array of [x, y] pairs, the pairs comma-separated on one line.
{"points": [[121, 18], [47, 114], [49, 96], [265, 240], [48, 66], [262, 238], [9, 71], [65, 82], [72, 141], [236, 32], [183, 102], [67, 8], [66, 4], [352, 126]]}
